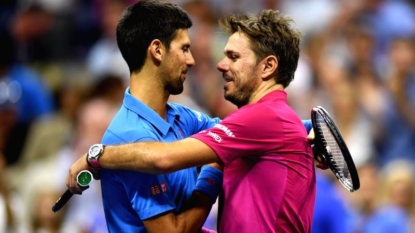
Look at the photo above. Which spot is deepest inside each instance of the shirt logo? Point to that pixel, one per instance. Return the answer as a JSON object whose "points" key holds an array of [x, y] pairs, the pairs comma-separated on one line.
{"points": [[158, 189], [215, 136], [199, 115], [225, 129]]}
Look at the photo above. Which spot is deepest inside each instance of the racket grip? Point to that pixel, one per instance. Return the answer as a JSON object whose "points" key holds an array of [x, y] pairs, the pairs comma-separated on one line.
{"points": [[62, 201], [317, 153], [83, 179]]}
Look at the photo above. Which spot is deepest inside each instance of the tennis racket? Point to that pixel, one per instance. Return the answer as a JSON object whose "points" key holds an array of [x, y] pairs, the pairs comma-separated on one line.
{"points": [[329, 144], [83, 178]]}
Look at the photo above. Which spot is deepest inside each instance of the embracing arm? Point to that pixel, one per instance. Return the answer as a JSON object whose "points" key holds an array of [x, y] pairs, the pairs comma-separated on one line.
{"points": [[191, 220], [196, 209], [147, 157], [158, 157]]}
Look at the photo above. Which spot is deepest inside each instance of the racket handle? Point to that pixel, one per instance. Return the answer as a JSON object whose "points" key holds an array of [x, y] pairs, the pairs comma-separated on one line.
{"points": [[317, 153], [62, 201], [83, 179]]}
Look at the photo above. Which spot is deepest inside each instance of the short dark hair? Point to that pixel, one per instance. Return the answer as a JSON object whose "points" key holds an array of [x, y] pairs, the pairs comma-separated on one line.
{"points": [[270, 34], [145, 21]]}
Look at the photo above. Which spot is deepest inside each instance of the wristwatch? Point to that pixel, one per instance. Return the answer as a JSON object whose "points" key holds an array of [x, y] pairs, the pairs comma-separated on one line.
{"points": [[94, 152]]}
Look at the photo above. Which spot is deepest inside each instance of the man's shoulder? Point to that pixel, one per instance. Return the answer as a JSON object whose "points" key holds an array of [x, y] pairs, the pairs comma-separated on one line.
{"points": [[267, 117], [280, 109], [257, 111], [125, 119], [116, 135], [188, 116], [126, 127], [181, 109]]}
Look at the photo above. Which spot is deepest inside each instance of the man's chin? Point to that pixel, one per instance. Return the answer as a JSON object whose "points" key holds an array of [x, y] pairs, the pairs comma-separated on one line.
{"points": [[176, 91], [229, 98], [238, 102]]}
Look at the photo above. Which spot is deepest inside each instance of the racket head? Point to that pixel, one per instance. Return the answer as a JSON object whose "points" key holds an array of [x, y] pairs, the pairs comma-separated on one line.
{"points": [[329, 143]]}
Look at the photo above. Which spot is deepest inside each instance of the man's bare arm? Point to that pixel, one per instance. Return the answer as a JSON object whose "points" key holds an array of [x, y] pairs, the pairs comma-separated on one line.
{"points": [[190, 220], [195, 210], [158, 157], [148, 157]]}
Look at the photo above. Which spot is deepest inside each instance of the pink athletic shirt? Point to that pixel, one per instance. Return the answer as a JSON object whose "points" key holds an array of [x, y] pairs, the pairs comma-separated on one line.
{"points": [[269, 178]]}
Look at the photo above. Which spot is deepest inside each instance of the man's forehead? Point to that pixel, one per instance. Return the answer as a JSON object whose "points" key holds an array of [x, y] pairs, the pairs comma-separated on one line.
{"points": [[238, 42], [182, 36]]}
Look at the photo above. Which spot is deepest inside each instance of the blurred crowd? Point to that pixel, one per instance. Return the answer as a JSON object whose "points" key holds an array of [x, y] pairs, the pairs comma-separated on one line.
{"points": [[62, 79]]}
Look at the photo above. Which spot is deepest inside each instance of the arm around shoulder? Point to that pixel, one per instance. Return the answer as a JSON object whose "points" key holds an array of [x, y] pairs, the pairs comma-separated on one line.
{"points": [[158, 157]]}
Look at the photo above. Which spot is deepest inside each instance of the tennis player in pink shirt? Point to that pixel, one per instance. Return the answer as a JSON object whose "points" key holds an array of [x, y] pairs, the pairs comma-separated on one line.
{"points": [[268, 180], [269, 177]]}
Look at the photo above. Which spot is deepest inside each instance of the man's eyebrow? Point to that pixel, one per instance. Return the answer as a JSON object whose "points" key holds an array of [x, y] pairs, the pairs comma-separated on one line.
{"points": [[229, 52]]}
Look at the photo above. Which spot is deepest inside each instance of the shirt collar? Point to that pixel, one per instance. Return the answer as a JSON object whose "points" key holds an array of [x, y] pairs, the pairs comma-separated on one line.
{"points": [[274, 95], [138, 107]]}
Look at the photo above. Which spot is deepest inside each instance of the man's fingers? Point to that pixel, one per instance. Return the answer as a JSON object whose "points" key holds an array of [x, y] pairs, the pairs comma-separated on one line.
{"points": [[216, 165], [96, 175], [73, 187], [74, 170], [320, 163], [319, 159], [78, 189], [75, 191], [310, 136], [322, 166], [72, 183]]}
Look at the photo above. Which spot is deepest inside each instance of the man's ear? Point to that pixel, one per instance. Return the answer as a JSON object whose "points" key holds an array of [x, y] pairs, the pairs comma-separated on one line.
{"points": [[156, 50], [269, 67]]}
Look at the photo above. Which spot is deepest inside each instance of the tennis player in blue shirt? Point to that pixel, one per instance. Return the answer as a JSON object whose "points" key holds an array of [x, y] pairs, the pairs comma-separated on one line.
{"points": [[157, 52]]}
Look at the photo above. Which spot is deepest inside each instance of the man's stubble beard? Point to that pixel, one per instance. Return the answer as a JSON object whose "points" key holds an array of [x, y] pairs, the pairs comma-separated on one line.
{"points": [[173, 85], [242, 93]]}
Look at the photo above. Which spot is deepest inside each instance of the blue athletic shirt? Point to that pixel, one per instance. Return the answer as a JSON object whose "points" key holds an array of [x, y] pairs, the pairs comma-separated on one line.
{"points": [[131, 197]]}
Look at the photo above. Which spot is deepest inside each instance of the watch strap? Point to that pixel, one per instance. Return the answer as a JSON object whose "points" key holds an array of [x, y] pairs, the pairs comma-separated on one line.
{"points": [[94, 163]]}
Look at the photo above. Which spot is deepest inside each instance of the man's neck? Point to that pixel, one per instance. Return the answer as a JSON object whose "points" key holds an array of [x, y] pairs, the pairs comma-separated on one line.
{"points": [[145, 86], [263, 90]]}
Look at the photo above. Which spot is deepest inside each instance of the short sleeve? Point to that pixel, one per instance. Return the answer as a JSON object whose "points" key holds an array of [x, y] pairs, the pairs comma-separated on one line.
{"points": [[246, 132]]}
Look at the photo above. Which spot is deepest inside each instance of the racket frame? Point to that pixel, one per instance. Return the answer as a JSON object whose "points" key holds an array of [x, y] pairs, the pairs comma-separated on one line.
{"points": [[320, 149]]}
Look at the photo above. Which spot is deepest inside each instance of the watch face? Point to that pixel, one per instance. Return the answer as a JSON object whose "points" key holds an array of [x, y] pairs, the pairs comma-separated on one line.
{"points": [[94, 151]]}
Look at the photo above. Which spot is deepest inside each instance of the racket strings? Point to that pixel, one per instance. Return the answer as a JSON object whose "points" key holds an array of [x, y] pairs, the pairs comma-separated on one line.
{"points": [[329, 142]]}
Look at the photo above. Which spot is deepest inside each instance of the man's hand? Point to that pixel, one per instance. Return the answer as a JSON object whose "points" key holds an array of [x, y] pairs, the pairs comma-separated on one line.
{"points": [[320, 161], [77, 167], [216, 165]]}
